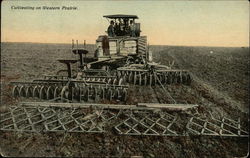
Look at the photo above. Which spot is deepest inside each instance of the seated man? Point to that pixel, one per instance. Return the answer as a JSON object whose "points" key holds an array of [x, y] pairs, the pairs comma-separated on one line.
{"points": [[117, 29], [111, 31], [132, 28]]}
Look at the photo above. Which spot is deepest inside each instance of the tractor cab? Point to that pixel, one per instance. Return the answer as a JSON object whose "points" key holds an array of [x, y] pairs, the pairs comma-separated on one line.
{"points": [[126, 40], [123, 24]]}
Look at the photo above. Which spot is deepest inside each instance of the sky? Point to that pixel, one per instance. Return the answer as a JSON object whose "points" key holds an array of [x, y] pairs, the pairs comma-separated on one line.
{"points": [[186, 23]]}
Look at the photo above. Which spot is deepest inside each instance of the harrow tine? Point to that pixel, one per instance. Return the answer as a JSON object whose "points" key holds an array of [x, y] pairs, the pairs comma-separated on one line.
{"points": [[150, 79], [175, 77], [35, 92], [96, 97], [80, 94], [109, 81], [72, 96], [188, 79], [115, 82], [109, 94], [117, 94], [93, 93], [102, 93], [22, 91], [184, 78], [135, 78], [130, 77], [90, 89], [49, 93], [119, 74], [28, 92], [124, 77], [56, 92], [145, 79], [120, 81], [180, 74], [42, 93], [140, 79], [127, 76], [15, 91], [124, 94], [75, 93], [63, 93], [86, 95]]}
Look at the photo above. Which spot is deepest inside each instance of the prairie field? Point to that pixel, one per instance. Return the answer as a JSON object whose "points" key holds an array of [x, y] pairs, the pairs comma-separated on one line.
{"points": [[220, 87]]}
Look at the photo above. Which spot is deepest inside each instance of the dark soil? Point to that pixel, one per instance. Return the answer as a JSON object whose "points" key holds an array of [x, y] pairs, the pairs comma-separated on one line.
{"points": [[220, 86]]}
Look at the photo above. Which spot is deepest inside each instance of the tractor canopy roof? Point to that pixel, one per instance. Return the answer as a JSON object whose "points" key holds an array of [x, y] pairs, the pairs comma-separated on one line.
{"points": [[122, 16]]}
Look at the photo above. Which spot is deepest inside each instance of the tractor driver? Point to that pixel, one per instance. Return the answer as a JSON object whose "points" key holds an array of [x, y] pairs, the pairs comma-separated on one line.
{"points": [[117, 28], [111, 30], [132, 28]]}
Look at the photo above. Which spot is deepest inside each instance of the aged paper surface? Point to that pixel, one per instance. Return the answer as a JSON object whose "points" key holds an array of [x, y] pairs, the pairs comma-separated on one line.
{"points": [[124, 78]]}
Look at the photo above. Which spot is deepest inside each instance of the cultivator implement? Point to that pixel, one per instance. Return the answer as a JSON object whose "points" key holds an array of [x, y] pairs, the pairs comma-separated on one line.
{"points": [[152, 75], [142, 119], [113, 80], [216, 127], [71, 90], [146, 123]]}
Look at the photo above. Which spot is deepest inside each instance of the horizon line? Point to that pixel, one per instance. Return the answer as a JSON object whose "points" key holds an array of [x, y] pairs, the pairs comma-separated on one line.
{"points": [[149, 45]]}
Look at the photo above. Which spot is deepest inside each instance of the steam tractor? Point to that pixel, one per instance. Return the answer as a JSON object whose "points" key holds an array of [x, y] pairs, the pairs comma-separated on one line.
{"points": [[119, 60]]}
